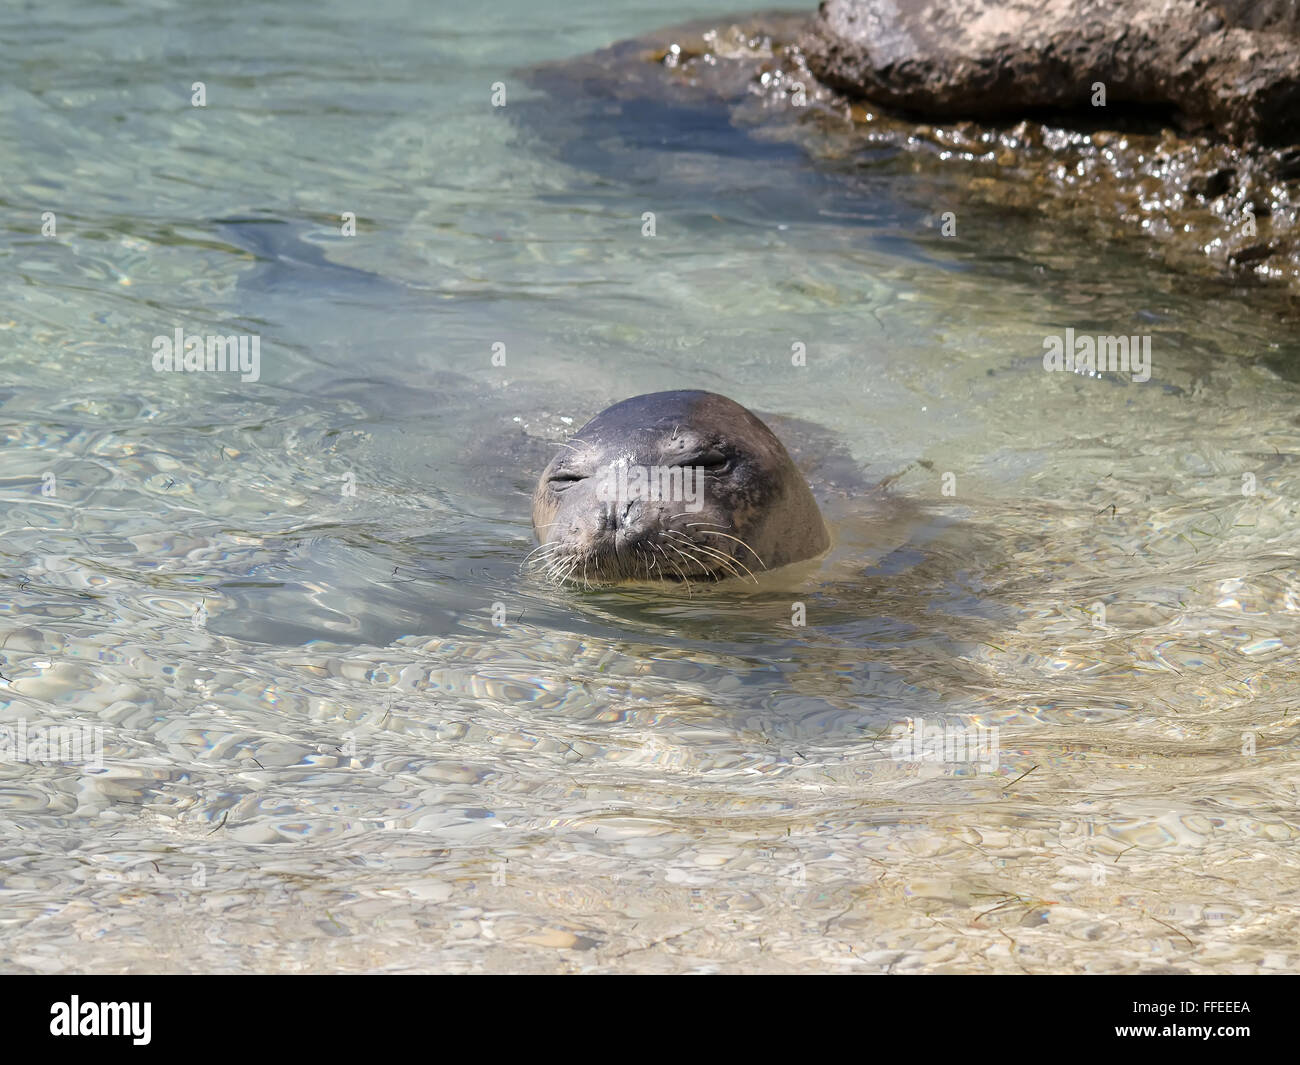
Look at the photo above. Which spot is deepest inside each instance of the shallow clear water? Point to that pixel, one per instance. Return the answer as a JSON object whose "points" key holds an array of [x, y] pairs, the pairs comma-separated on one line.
{"points": [[320, 752]]}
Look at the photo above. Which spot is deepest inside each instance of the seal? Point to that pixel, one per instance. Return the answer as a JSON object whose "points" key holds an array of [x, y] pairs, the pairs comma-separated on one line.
{"points": [[673, 486]]}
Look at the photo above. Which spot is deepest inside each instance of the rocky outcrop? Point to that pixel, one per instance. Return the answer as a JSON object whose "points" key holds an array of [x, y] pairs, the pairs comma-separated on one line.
{"points": [[1202, 203], [1231, 66]]}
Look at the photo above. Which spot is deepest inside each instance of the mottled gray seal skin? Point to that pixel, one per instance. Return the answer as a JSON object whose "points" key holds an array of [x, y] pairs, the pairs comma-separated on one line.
{"points": [[752, 510]]}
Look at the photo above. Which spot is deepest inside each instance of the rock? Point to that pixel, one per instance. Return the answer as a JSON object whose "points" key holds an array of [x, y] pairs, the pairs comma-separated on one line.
{"points": [[1251, 253], [1233, 66], [1212, 183], [1277, 15], [1287, 163], [744, 91]]}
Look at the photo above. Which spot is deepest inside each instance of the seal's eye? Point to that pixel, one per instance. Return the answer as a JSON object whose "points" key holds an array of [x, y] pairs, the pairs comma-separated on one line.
{"points": [[561, 481], [714, 461]]}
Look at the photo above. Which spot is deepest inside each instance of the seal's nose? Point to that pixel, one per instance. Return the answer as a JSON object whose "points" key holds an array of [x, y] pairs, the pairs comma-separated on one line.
{"points": [[620, 516], [628, 522]]}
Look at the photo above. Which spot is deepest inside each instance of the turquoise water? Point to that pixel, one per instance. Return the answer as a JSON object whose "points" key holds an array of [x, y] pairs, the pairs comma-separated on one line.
{"points": [[276, 598]]}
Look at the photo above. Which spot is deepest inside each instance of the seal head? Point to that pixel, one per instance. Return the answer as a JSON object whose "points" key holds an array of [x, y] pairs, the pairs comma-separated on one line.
{"points": [[673, 486]]}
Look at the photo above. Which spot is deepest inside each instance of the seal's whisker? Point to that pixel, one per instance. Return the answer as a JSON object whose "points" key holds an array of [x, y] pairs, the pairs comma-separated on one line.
{"points": [[709, 571], [544, 549], [555, 562], [708, 532], [685, 579], [729, 562], [691, 557]]}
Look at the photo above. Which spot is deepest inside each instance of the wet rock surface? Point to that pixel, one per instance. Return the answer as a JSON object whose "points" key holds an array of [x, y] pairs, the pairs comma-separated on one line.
{"points": [[1201, 203], [1231, 67]]}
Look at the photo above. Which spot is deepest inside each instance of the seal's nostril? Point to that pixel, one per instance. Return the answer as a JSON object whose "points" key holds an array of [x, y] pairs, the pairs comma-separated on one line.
{"points": [[608, 519], [619, 515]]}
